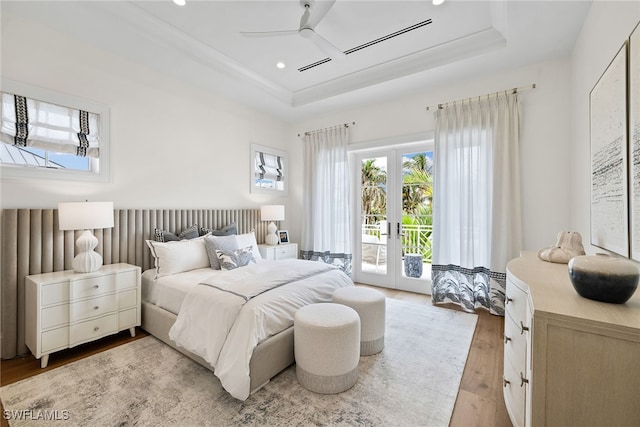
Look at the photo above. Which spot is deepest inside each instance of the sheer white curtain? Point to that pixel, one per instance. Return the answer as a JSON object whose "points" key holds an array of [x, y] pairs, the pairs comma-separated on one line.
{"points": [[325, 219], [476, 207]]}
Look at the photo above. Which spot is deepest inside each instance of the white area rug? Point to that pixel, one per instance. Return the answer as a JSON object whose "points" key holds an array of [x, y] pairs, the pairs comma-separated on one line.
{"points": [[413, 382]]}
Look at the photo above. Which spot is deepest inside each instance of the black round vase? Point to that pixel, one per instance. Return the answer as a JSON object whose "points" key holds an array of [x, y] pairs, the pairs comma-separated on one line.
{"points": [[604, 278]]}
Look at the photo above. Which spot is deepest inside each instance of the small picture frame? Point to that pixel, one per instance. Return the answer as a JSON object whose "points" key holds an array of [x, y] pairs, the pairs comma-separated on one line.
{"points": [[284, 236]]}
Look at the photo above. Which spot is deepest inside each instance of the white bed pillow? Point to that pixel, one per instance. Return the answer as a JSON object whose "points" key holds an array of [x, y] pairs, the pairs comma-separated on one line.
{"points": [[229, 243], [176, 257]]}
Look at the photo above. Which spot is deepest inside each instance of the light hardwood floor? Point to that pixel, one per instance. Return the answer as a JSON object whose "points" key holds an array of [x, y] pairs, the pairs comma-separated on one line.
{"points": [[479, 402]]}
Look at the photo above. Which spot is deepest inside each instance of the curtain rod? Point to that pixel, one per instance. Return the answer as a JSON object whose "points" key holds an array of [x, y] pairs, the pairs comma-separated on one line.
{"points": [[344, 124], [514, 90]]}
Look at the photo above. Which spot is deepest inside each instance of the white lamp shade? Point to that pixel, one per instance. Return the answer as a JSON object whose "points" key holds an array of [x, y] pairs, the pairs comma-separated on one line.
{"points": [[85, 215], [272, 212]]}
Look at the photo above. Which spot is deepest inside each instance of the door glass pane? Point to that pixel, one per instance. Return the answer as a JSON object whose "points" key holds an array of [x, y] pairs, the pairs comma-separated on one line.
{"points": [[417, 219], [373, 217]]}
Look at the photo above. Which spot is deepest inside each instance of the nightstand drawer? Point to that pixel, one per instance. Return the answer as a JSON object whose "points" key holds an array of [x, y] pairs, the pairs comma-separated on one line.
{"points": [[92, 286], [92, 329], [285, 252], [127, 299], [93, 307]]}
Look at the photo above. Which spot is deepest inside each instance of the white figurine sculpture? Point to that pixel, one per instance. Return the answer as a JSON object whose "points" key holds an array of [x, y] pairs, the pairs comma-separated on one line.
{"points": [[568, 245]]}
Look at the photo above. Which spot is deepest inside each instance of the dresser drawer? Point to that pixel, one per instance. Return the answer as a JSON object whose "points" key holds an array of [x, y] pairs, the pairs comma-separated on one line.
{"points": [[93, 307], [127, 280], [93, 286], [514, 394], [515, 302], [54, 340], [128, 318], [515, 345], [53, 316], [55, 293], [93, 329], [127, 299]]}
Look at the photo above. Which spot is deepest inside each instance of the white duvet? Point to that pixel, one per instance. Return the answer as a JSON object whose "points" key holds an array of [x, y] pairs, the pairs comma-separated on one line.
{"points": [[224, 318]]}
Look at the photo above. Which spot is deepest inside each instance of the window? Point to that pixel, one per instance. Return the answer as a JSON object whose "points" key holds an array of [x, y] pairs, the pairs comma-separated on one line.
{"points": [[268, 170], [49, 135]]}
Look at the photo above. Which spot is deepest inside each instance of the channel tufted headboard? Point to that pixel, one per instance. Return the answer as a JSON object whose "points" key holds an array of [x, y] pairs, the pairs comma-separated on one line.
{"points": [[31, 243]]}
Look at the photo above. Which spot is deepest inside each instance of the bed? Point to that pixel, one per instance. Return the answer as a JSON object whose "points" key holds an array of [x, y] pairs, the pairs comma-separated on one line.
{"points": [[254, 343]]}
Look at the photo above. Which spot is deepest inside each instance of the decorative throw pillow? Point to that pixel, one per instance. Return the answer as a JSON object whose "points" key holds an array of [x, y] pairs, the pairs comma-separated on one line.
{"points": [[249, 239], [223, 243], [167, 236], [230, 260], [224, 231], [179, 256]]}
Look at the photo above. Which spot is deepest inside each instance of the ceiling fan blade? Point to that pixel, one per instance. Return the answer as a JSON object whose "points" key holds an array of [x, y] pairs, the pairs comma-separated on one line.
{"points": [[269, 33], [305, 17], [320, 10], [327, 47]]}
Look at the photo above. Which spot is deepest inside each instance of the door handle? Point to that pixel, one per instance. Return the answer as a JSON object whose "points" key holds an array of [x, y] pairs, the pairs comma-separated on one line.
{"points": [[388, 230], [398, 230]]}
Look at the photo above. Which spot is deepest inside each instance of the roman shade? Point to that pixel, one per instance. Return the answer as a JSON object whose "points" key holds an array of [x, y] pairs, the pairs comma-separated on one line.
{"points": [[28, 122]]}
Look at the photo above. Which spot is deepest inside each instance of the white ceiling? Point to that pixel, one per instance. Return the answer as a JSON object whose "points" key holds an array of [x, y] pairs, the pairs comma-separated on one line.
{"points": [[201, 43]]}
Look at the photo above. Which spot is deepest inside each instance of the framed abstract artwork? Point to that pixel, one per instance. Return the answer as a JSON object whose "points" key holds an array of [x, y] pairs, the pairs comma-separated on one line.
{"points": [[609, 159], [634, 142]]}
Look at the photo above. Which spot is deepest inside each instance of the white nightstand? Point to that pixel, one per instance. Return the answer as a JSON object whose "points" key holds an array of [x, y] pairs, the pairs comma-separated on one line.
{"points": [[65, 308], [278, 252]]}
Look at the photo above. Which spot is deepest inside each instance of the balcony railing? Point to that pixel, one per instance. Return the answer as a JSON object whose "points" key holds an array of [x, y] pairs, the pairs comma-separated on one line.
{"points": [[416, 238]]}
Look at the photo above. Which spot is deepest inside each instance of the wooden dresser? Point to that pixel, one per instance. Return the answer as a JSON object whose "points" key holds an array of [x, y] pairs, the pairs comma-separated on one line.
{"points": [[568, 360]]}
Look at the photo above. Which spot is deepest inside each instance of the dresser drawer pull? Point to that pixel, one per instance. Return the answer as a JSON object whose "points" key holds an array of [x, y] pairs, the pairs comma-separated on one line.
{"points": [[96, 329], [505, 382], [523, 380], [507, 300], [96, 308], [506, 339], [96, 286], [523, 328]]}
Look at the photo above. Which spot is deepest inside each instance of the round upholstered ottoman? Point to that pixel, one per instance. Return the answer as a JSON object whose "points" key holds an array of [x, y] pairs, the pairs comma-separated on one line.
{"points": [[326, 341], [370, 305]]}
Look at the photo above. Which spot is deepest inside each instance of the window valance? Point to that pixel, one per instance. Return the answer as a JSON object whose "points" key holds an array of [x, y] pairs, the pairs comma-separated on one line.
{"points": [[32, 123]]}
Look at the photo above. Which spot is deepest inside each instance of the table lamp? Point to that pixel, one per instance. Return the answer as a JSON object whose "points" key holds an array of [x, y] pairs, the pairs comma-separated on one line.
{"points": [[272, 213], [86, 216]]}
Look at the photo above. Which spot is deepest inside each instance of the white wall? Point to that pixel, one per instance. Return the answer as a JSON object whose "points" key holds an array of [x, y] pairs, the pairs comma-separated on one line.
{"points": [[606, 28], [172, 145], [545, 144]]}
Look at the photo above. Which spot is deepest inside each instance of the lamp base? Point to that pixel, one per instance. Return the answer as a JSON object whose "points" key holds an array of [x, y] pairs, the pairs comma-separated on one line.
{"points": [[87, 259], [271, 238]]}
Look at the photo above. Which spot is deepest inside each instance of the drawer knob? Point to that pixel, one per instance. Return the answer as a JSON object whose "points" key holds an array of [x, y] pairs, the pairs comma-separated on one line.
{"points": [[507, 300], [96, 329], [96, 286], [506, 339], [96, 307], [505, 382], [523, 380], [523, 328]]}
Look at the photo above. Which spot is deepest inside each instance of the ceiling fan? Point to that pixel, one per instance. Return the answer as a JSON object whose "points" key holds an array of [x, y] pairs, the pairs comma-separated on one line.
{"points": [[310, 18]]}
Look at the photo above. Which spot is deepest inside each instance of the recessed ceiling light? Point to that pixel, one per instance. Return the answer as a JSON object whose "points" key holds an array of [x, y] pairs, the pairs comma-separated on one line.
{"points": [[437, 2], [280, 65], [180, 2]]}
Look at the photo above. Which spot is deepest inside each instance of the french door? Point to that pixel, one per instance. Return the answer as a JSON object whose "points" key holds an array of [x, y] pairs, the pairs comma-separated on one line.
{"points": [[393, 198]]}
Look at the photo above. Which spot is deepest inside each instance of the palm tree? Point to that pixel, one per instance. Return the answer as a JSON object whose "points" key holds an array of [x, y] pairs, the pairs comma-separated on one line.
{"points": [[417, 183], [374, 191]]}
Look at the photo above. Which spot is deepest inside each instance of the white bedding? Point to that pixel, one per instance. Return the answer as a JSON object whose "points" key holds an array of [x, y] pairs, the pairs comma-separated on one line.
{"points": [[168, 292], [224, 328]]}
